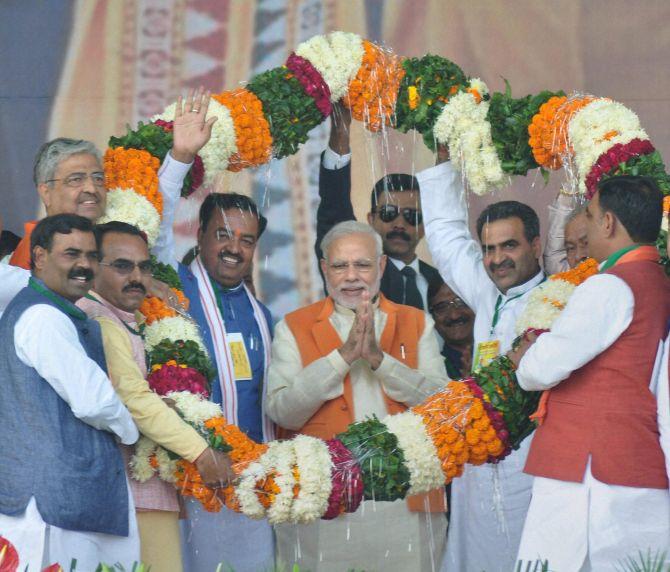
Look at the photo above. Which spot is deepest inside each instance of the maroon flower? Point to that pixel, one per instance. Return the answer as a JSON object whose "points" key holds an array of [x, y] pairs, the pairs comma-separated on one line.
{"points": [[311, 81], [347, 479]]}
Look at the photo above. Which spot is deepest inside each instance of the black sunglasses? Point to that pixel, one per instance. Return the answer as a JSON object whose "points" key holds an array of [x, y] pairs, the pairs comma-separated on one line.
{"points": [[389, 213]]}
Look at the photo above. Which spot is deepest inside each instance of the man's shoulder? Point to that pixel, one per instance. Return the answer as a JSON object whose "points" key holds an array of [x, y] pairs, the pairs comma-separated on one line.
{"points": [[430, 273]]}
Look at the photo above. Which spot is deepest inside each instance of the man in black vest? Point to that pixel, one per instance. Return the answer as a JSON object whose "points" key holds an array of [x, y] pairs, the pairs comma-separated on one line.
{"points": [[395, 213]]}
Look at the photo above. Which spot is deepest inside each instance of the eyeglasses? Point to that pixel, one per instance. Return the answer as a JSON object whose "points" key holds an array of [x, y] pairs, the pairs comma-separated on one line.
{"points": [[77, 180], [126, 267], [440, 307], [389, 213], [360, 266]]}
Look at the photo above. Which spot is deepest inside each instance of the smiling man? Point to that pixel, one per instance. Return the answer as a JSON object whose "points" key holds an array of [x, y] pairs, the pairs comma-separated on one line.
{"points": [[349, 356], [237, 330], [64, 493], [494, 277], [120, 286], [395, 213]]}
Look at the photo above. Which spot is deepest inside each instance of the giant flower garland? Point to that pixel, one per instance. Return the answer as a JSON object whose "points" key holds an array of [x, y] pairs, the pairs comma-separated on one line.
{"points": [[480, 419]]}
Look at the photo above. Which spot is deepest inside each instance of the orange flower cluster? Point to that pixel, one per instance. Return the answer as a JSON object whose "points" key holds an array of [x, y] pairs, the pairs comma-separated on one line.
{"points": [[666, 205], [373, 92], [579, 273], [548, 129], [457, 423], [154, 308], [189, 483], [252, 131], [136, 169]]}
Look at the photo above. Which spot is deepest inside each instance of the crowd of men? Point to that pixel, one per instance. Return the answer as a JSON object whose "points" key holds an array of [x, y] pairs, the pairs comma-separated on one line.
{"points": [[588, 489]]}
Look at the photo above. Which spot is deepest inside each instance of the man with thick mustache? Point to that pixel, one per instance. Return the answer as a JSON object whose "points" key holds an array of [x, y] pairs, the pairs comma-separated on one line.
{"points": [[69, 177], [494, 278], [395, 213], [349, 356], [64, 491], [237, 331], [119, 289]]}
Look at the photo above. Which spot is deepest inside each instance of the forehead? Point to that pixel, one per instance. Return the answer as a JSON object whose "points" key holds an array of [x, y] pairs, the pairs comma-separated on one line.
{"points": [[236, 220], [79, 163], [401, 199], [352, 247], [121, 245], [502, 230], [76, 239]]}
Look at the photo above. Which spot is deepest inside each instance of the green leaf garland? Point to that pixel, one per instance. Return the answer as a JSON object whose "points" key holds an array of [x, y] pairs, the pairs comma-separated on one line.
{"points": [[186, 353]]}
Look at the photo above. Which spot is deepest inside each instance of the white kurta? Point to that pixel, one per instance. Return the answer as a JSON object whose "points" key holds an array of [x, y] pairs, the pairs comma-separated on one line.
{"points": [[591, 524], [489, 502], [378, 536], [45, 339], [170, 179]]}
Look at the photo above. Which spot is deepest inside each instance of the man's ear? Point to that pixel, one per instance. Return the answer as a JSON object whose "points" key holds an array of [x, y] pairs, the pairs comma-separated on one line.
{"points": [[371, 218], [39, 257], [382, 264], [609, 224], [536, 245], [323, 265], [44, 191]]}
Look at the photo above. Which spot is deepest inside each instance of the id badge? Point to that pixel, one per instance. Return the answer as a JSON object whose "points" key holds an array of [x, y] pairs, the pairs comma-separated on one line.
{"points": [[485, 353], [238, 353]]}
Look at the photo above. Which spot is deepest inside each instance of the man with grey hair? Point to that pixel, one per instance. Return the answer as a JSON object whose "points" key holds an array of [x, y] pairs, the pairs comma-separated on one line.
{"points": [[69, 177], [567, 244], [348, 357]]}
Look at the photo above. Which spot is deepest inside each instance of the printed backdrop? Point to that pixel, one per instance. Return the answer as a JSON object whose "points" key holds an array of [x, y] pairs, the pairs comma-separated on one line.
{"points": [[87, 68]]}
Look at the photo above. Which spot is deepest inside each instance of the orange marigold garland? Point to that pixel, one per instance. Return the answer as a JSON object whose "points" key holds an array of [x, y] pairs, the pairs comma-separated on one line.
{"points": [[134, 169], [154, 308], [373, 92], [548, 130], [252, 130]]}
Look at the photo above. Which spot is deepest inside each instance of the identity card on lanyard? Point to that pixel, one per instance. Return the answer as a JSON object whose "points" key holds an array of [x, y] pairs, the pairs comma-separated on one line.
{"points": [[489, 350], [239, 355]]}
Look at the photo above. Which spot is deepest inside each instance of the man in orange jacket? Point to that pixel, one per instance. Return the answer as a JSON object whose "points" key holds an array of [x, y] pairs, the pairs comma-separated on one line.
{"points": [[349, 356]]}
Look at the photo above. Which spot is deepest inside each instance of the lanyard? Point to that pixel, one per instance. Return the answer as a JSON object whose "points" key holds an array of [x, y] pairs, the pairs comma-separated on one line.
{"points": [[498, 309], [67, 307]]}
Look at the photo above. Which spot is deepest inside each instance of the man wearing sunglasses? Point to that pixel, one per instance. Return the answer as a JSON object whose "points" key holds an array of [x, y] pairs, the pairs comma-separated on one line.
{"points": [[120, 285], [395, 213]]}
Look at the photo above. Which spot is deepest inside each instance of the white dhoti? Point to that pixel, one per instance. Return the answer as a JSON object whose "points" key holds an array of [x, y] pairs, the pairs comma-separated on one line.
{"points": [[488, 508], [40, 544], [592, 525], [379, 536], [234, 540]]}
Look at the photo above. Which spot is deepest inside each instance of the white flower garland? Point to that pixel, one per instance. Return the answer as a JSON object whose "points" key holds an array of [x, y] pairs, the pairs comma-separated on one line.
{"points": [[589, 127], [222, 144], [545, 304], [174, 328], [420, 453], [128, 206], [245, 491], [477, 84], [463, 126], [140, 464], [280, 457], [337, 57], [194, 408], [315, 465]]}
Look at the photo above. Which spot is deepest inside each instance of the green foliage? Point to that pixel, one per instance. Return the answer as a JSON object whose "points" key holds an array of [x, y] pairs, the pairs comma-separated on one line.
{"points": [[498, 381], [532, 566], [166, 274], [187, 353], [385, 476], [292, 113], [509, 119], [645, 562], [434, 77]]}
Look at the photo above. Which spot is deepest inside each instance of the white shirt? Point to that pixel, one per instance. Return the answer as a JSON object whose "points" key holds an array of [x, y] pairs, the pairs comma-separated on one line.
{"points": [[295, 392], [489, 502], [421, 282], [46, 339], [170, 179]]}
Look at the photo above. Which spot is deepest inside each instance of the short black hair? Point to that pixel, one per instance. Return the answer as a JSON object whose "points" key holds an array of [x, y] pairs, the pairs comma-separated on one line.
{"points": [[637, 202], [511, 209], [100, 230], [392, 183], [43, 233], [228, 201]]}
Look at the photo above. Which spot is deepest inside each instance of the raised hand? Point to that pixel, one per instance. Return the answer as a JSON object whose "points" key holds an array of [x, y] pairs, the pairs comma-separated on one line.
{"points": [[191, 129], [370, 350], [215, 468], [340, 123]]}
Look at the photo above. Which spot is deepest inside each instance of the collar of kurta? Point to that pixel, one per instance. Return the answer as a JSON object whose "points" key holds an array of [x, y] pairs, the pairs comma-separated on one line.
{"points": [[632, 253], [521, 289]]}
